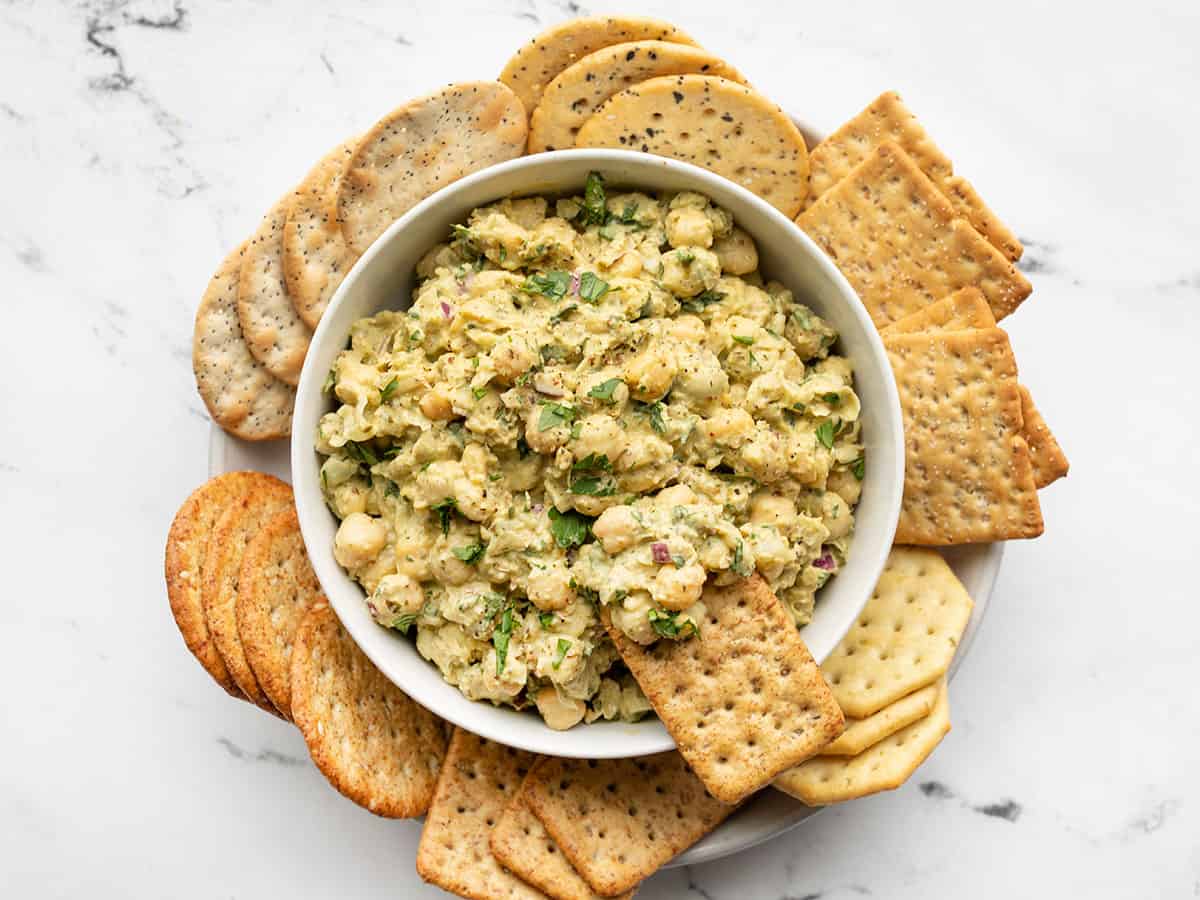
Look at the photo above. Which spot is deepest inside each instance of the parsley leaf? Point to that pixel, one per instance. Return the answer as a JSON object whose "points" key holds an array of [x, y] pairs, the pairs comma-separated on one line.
{"points": [[563, 313], [743, 339], [593, 211], [553, 284], [697, 303], [591, 287], [445, 511], [859, 468], [563, 646], [500, 639], [739, 564], [330, 382], [547, 620], [593, 462], [825, 434], [604, 390], [667, 624], [592, 486], [389, 389], [832, 399], [555, 414], [363, 452], [469, 553], [404, 622], [479, 393], [570, 529], [655, 412], [628, 216]]}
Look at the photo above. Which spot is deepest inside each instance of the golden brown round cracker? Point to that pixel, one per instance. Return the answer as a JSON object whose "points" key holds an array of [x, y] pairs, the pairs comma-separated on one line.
{"points": [[315, 255], [538, 63], [276, 587], [374, 744], [712, 122], [222, 566], [423, 146], [241, 395], [273, 331], [187, 542], [582, 88]]}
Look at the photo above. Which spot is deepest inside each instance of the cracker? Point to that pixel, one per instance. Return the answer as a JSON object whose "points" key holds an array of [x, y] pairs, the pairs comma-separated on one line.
{"points": [[222, 567], [273, 331], [276, 587], [581, 89], [900, 244], [967, 474], [905, 636], [375, 745], [240, 394], [1047, 457], [315, 255], [540, 61], [187, 542], [521, 843], [961, 311], [478, 779], [619, 820], [743, 701], [712, 122], [423, 146], [863, 733], [883, 767], [888, 119]]}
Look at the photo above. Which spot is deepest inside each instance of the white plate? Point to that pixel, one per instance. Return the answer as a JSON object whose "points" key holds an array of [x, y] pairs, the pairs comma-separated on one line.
{"points": [[770, 813]]}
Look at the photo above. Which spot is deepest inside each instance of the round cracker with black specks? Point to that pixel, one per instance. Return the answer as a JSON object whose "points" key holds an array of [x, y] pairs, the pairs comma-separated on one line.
{"points": [[423, 146], [241, 395], [315, 255], [579, 90], [540, 61], [712, 122], [274, 332], [222, 568], [374, 744], [276, 587], [187, 543]]}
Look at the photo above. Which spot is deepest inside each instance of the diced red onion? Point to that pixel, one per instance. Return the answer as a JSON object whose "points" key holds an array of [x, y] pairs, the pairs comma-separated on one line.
{"points": [[662, 553], [537, 507], [447, 312], [825, 561], [574, 284]]}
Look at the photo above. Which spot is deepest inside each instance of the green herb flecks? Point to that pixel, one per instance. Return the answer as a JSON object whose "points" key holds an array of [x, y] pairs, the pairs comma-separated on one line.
{"points": [[555, 415], [739, 563], [404, 622], [743, 339], [500, 639], [469, 553], [569, 529], [547, 620], [832, 399], [563, 313], [667, 624], [445, 511], [700, 301], [859, 468], [825, 433], [604, 390], [591, 287], [388, 389], [553, 284], [655, 413], [594, 210], [563, 646]]}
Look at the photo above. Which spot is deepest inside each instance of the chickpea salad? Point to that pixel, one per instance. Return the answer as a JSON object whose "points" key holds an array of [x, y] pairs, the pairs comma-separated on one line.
{"points": [[593, 403]]}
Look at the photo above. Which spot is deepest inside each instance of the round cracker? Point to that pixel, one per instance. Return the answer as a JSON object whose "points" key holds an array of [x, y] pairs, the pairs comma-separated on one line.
{"points": [[423, 146], [712, 122], [276, 587], [540, 61], [222, 566], [242, 396], [374, 744], [187, 542], [275, 334], [581, 89], [315, 255]]}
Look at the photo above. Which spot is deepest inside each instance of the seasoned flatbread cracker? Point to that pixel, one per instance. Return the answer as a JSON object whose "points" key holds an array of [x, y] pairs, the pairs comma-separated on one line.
{"points": [[582, 88], [521, 843], [905, 637], [276, 588], [315, 255], [423, 146], [1049, 461], [900, 243], [273, 331], [375, 745], [863, 733], [619, 820], [187, 542], [888, 119], [540, 61], [240, 394], [712, 122], [967, 473], [222, 566], [745, 700], [883, 767], [477, 781], [961, 311]]}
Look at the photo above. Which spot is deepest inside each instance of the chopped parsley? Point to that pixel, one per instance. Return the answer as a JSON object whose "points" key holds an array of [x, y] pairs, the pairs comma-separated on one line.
{"points": [[553, 284], [500, 639], [686, 257], [825, 433], [655, 412], [330, 381], [591, 287], [593, 211], [604, 390], [859, 468], [555, 415], [563, 646], [593, 486], [445, 510], [667, 624], [388, 390], [570, 529], [743, 339], [479, 393], [593, 462], [628, 216], [404, 622], [832, 399], [739, 563], [563, 313], [547, 620], [469, 553], [697, 303], [551, 351]]}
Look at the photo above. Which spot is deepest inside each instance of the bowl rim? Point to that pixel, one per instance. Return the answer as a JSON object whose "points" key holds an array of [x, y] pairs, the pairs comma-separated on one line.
{"points": [[648, 736]]}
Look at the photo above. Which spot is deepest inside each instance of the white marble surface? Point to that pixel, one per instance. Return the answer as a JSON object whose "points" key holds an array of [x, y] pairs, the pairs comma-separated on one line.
{"points": [[140, 141]]}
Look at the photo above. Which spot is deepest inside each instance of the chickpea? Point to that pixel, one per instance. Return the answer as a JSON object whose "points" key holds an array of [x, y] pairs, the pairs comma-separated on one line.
{"points": [[358, 540], [599, 434], [475, 461], [349, 497], [836, 515], [399, 595], [688, 271], [688, 329], [771, 509], [436, 405], [511, 360], [689, 227], [675, 495], [737, 253], [412, 558], [650, 373], [616, 529], [545, 442], [628, 265], [560, 713], [677, 589], [848, 487], [729, 426], [549, 589]]}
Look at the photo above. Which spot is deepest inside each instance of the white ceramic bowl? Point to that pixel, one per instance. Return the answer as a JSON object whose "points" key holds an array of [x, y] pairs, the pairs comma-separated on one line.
{"points": [[383, 279]]}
